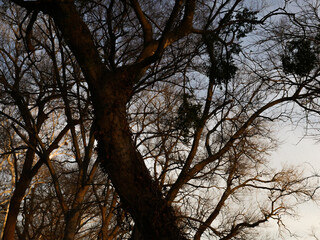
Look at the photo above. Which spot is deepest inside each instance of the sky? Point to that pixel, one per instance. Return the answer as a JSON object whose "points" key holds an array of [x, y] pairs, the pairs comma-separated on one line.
{"points": [[298, 150]]}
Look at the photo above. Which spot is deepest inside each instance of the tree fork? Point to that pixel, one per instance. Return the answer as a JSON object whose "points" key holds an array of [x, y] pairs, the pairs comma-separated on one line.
{"points": [[154, 217]]}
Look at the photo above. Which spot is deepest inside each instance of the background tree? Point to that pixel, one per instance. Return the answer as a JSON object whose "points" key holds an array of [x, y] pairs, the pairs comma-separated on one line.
{"points": [[25, 119], [56, 95]]}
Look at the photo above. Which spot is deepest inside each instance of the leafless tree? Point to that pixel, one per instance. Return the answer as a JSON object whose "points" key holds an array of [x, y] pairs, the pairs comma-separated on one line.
{"points": [[25, 97], [181, 166]]}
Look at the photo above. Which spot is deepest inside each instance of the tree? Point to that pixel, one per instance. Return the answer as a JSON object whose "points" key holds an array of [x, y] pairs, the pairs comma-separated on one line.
{"points": [[8, 171], [26, 100], [238, 191], [128, 49], [50, 98]]}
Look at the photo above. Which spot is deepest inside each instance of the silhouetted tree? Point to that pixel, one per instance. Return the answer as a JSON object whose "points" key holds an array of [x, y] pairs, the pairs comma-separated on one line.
{"points": [[176, 164]]}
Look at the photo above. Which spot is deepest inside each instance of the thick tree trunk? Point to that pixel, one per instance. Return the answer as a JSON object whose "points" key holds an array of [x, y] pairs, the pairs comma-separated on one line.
{"points": [[154, 218]]}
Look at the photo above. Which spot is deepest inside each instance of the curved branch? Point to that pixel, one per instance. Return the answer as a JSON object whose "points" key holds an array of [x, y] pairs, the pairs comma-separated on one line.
{"points": [[144, 22]]}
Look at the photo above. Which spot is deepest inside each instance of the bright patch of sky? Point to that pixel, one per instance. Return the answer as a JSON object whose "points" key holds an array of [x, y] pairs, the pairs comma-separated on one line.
{"points": [[298, 150]]}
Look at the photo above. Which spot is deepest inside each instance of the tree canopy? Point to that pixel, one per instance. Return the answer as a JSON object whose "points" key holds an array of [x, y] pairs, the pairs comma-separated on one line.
{"points": [[139, 119]]}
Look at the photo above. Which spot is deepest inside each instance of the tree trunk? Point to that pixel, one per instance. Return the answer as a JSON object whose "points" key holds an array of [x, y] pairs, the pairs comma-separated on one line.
{"points": [[72, 217], [154, 218], [16, 199], [71, 221], [5, 220], [21, 186]]}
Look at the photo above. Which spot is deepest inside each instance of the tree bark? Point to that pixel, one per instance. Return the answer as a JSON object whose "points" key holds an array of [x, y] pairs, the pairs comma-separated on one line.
{"points": [[14, 207], [21, 186], [71, 224], [154, 218], [72, 216]]}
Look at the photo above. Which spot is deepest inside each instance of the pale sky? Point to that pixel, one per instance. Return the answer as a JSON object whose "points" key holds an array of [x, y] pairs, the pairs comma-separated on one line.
{"points": [[297, 150]]}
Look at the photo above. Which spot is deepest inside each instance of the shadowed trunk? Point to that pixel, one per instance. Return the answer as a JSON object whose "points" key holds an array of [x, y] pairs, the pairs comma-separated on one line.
{"points": [[72, 216], [71, 220], [16, 199], [154, 218], [21, 186]]}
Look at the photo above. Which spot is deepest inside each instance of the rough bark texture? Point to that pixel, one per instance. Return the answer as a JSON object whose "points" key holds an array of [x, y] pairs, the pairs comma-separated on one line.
{"points": [[154, 218]]}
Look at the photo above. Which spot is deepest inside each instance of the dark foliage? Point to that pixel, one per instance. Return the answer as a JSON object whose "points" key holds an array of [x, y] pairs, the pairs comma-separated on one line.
{"points": [[299, 57], [188, 115]]}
